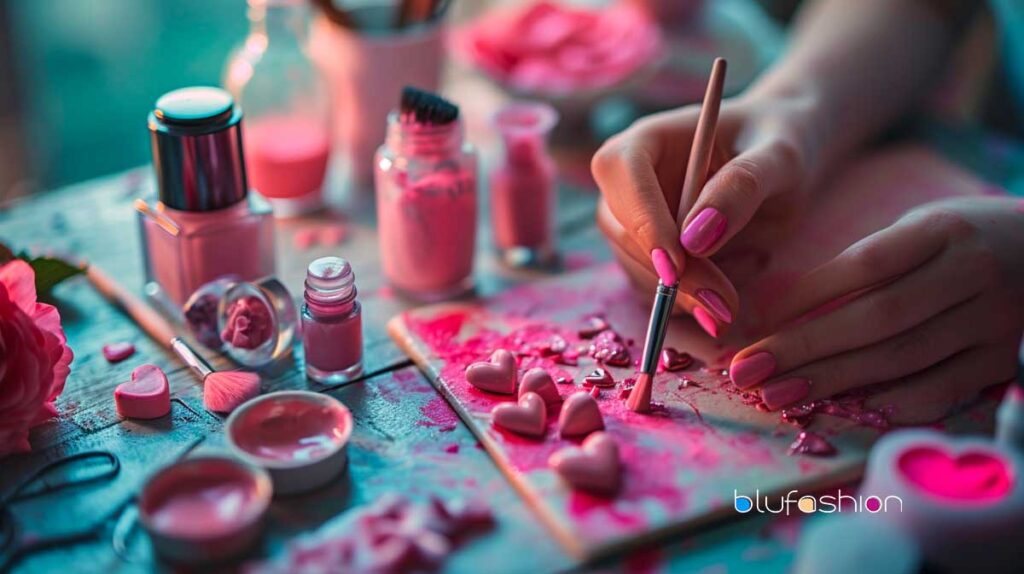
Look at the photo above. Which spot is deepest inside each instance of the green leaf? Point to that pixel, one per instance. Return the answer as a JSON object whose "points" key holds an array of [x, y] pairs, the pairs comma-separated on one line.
{"points": [[49, 272], [5, 254]]}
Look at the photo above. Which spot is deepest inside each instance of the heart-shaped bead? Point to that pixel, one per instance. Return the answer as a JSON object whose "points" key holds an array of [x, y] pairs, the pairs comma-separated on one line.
{"points": [[595, 467], [529, 417], [580, 415], [673, 360], [498, 375], [145, 396], [539, 381], [971, 475], [117, 352], [599, 378]]}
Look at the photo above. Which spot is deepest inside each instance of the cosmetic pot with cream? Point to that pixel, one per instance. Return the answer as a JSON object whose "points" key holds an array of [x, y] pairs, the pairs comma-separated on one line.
{"points": [[205, 509], [254, 322], [299, 437]]}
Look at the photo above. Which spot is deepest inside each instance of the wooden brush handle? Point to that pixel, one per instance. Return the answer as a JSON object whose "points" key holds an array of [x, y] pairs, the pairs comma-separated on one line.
{"points": [[703, 141], [149, 320]]}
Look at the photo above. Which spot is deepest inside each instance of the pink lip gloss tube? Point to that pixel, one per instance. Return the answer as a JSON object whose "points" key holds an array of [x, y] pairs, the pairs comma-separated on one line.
{"points": [[426, 208], [524, 192], [332, 325], [206, 224]]}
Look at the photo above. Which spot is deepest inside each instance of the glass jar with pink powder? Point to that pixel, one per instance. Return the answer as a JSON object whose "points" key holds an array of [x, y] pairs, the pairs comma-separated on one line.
{"points": [[426, 180]]}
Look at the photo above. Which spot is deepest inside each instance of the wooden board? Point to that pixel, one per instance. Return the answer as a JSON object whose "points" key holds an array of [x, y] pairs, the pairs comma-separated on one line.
{"points": [[685, 463]]}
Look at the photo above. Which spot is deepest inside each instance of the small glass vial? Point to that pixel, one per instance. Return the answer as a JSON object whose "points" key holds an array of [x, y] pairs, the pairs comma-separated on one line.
{"points": [[426, 208], [287, 107], [524, 191], [205, 223], [332, 325]]}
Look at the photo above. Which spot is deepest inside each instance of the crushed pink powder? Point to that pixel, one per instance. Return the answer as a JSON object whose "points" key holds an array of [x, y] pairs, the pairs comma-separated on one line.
{"points": [[249, 324], [392, 535]]}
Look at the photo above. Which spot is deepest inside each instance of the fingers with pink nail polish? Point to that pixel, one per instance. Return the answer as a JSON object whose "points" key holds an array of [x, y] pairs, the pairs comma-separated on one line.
{"points": [[715, 304], [705, 229], [752, 370], [778, 394], [706, 321], [664, 266]]}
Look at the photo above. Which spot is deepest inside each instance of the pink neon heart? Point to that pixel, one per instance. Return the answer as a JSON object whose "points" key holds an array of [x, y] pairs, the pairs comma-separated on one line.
{"points": [[539, 381], [594, 468], [580, 415], [145, 396], [498, 375], [117, 352], [975, 475], [529, 417]]}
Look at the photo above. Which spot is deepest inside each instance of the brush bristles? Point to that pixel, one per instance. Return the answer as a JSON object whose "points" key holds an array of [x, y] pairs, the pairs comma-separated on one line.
{"points": [[426, 108], [639, 400], [223, 391]]}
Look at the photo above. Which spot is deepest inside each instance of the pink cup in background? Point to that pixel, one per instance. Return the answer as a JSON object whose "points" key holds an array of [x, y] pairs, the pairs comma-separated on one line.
{"points": [[366, 69]]}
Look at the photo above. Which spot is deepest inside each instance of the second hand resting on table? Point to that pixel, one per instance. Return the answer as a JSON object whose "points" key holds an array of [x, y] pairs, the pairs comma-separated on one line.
{"points": [[930, 306]]}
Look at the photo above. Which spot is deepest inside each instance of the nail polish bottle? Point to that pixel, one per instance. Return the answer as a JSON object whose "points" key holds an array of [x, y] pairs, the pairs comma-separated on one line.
{"points": [[524, 192], [332, 325], [205, 223], [426, 208]]}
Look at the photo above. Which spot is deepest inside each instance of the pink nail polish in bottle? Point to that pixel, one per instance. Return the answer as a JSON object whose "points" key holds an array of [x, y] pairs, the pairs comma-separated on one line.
{"points": [[524, 193], [426, 200], [332, 325], [205, 224]]}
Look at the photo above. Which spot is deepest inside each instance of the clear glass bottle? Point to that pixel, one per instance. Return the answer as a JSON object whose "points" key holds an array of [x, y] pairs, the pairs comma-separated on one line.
{"points": [[205, 223], [524, 190], [332, 325], [287, 107], [426, 208]]}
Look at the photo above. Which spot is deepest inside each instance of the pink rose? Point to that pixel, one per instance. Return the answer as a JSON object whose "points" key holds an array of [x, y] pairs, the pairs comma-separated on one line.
{"points": [[34, 357]]}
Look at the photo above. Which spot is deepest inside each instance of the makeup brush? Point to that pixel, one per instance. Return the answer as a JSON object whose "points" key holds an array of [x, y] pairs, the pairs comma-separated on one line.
{"points": [[668, 284], [222, 390]]}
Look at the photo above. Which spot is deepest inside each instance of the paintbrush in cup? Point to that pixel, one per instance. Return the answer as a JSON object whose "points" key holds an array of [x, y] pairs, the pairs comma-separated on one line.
{"points": [[222, 390], [668, 284]]}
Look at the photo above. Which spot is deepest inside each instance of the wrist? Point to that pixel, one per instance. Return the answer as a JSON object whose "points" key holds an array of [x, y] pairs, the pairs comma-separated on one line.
{"points": [[794, 109]]}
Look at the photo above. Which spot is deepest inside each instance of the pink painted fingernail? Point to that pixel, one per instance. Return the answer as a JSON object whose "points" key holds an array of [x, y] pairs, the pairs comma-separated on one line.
{"points": [[703, 231], [752, 370], [785, 392], [706, 321], [715, 304], [664, 266]]}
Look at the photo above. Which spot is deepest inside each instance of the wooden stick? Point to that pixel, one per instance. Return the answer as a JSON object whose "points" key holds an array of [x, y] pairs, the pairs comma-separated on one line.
{"points": [[703, 141], [148, 319]]}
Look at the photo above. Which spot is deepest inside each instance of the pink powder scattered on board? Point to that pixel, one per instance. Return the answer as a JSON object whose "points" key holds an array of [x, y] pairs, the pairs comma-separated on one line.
{"points": [[249, 323], [980, 477], [439, 414]]}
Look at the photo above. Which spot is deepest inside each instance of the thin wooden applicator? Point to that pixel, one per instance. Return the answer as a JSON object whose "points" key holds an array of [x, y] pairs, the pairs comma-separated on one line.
{"points": [[222, 390], [693, 181]]}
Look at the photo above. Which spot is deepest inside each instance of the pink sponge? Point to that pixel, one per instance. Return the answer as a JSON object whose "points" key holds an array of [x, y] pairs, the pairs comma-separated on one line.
{"points": [[145, 396]]}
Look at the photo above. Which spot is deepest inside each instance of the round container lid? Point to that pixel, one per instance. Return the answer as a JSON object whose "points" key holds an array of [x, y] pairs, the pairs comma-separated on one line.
{"points": [[195, 105]]}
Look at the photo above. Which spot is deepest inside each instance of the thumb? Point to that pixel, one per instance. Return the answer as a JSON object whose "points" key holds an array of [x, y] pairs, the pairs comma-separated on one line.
{"points": [[732, 196]]}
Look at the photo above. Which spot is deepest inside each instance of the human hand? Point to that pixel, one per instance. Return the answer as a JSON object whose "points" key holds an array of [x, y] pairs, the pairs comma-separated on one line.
{"points": [[933, 305], [759, 167]]}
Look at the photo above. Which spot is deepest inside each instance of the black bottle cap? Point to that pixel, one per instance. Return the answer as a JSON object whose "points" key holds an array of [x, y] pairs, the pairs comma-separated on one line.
{"points": [[196, 136]]}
